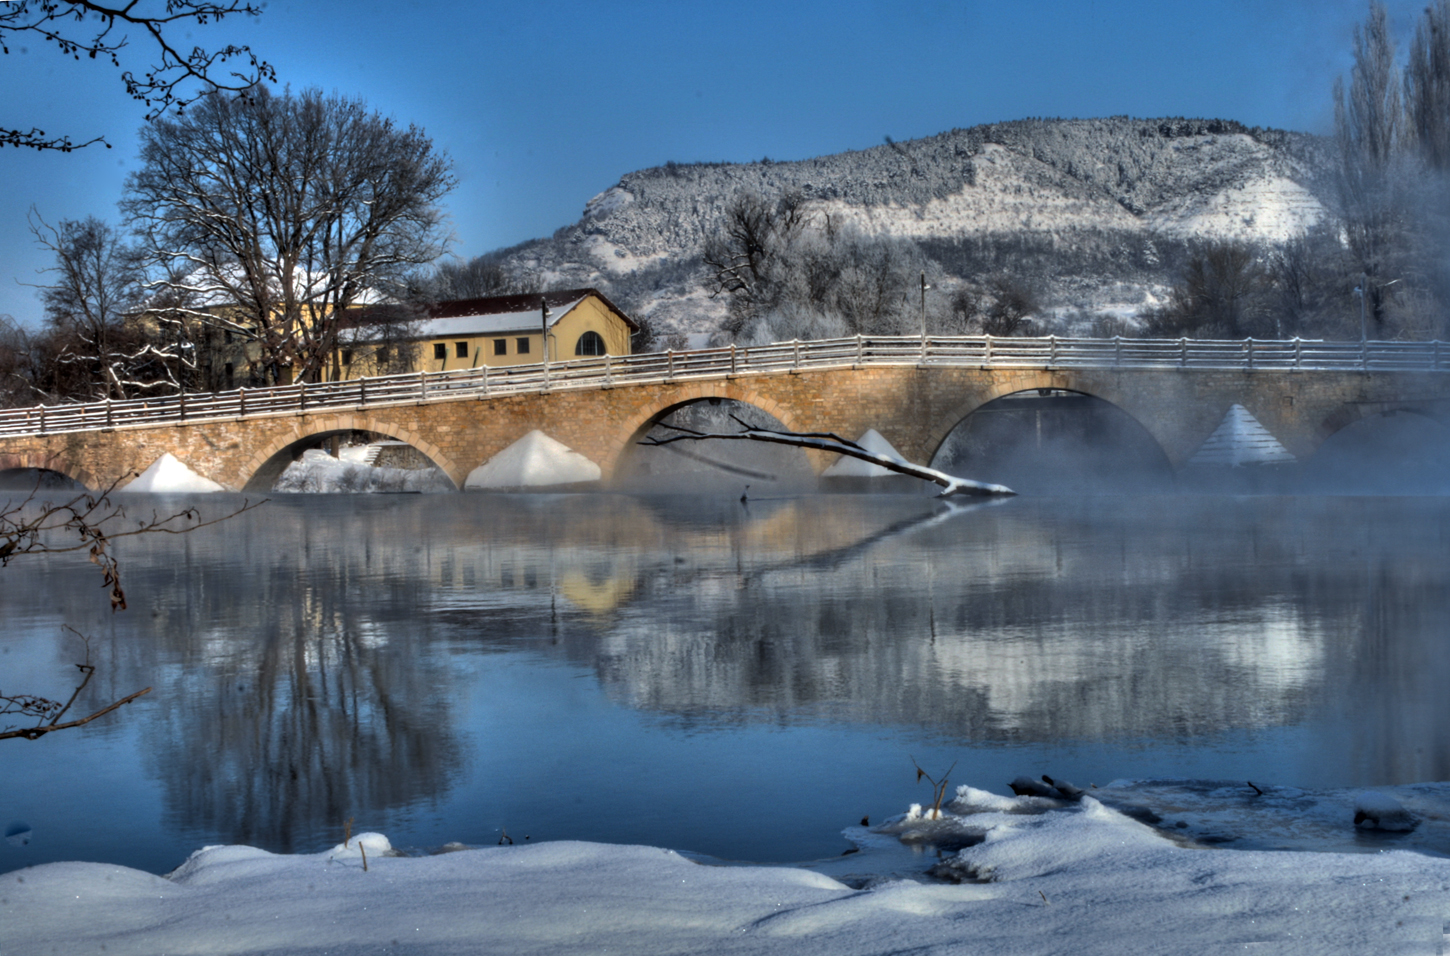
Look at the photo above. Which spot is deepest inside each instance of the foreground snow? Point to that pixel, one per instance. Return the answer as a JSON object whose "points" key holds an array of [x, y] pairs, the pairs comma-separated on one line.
{"points": [[1056, 876]]}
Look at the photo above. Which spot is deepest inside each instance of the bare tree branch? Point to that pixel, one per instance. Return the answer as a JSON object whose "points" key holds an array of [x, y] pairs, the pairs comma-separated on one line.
{"points": [[30, 705], [80, 28], [30, 527], [828, 441]]}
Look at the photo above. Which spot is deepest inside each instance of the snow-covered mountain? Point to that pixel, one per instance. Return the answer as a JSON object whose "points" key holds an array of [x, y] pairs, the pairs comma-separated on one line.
{"points": [[1080, 207]]}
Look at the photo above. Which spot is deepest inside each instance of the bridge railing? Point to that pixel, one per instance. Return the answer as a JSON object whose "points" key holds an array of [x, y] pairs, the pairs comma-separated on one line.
{"points": [[1049, 352]]}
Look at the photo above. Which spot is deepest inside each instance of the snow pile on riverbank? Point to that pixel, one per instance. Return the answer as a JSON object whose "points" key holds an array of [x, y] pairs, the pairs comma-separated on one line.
{"points": [[167, 475], [536, 460], [318, 472], [1050, 876]]}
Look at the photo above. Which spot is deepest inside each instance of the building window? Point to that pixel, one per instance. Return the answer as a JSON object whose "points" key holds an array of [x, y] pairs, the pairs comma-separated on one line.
{"points": [[347, 356], [500, 346], [461, 349], [231, 376], [440, 350], [590, 343], [384, 356], [523, 346]]}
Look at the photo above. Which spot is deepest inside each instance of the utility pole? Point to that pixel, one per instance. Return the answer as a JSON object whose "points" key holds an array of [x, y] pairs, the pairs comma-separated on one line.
{"points": [[924, 287], [544, 337], [1359, 291]]}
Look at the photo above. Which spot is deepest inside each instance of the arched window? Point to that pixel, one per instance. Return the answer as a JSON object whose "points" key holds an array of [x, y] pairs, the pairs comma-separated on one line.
{"points": [[590, 343]]}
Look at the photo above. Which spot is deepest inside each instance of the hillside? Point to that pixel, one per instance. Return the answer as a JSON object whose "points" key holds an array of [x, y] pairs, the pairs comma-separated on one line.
{"points": [[1087, 210]]}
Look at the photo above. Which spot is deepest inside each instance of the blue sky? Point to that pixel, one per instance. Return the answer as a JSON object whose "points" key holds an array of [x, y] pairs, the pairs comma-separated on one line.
{"points": [[542, 105]]}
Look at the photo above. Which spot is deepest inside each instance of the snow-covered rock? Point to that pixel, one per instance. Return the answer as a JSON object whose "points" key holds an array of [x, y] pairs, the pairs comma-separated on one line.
{"points": [[1380, 811], [167, 475], [534, 461]]}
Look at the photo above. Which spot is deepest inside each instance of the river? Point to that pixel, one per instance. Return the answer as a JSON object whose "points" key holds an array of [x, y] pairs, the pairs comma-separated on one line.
{"points": [[738, 680]]}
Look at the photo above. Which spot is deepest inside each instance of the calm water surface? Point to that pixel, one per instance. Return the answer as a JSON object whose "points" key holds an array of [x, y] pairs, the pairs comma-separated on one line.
{"points": [[687, 672]]}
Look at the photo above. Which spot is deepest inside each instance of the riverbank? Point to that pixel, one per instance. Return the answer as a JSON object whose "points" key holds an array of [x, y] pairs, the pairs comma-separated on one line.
{"points": [[1043, 876]]}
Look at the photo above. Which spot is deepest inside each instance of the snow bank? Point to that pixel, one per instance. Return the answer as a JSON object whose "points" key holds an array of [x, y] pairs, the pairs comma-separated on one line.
{"points": [[1039, 876], [848, 467], [536, 460], [167, 475]]}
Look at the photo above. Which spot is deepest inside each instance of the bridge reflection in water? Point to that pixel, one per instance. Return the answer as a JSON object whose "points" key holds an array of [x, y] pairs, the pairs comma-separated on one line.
{"points": [[677, 670]]}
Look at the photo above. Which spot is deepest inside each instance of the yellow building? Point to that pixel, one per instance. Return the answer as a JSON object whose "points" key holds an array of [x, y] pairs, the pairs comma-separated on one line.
{"points": [[504, 330]]}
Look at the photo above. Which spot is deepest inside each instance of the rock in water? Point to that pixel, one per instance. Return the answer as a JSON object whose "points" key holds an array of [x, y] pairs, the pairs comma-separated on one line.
{"points": [[1378, 811]]}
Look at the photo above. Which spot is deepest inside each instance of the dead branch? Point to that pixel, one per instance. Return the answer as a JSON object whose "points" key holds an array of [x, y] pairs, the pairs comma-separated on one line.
{"points": [[31, 705], [829, 441], [938, 788], [30, 528]]}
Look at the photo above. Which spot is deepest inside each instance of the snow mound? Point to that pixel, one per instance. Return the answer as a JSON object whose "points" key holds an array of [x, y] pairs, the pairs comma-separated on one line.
{"points": [[1081, 877], [167, 475], [536, 460], [848, 467], [1240, 440]]}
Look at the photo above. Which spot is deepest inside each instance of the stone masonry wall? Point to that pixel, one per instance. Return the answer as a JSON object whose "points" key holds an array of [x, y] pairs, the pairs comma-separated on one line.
{"points": [[913, 407]]}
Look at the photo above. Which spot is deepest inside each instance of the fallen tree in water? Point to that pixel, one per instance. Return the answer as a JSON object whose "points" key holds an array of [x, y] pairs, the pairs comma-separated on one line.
{"points": [[829, 441]]}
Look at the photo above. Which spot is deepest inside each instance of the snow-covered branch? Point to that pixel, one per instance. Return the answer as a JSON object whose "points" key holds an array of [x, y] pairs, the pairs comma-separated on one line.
{"points": [[828, 441]]}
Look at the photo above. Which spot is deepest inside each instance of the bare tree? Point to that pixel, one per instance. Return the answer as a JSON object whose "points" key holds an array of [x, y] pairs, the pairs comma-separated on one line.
{"points": [[1367, 121], [1427, 87], [97, 353], [1223, 293], [1012, 305], [269, 215], [745, 261], [98, 31], [478, 278], [790, 271]]}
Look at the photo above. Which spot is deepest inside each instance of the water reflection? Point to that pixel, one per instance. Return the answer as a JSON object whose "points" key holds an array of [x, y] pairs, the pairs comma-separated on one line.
{"points": [[296, 687], [323, 659]]}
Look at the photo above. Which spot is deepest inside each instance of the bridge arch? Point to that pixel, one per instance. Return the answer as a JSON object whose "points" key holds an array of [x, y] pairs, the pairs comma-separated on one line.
{"points": [[1026, 380], [35, 461], [1049, 438], [637, 422], [1389, 449], [269, 461]]}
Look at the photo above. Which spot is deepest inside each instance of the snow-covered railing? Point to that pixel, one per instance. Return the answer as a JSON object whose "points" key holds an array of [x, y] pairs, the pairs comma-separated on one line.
{"points": [[967, 351]]}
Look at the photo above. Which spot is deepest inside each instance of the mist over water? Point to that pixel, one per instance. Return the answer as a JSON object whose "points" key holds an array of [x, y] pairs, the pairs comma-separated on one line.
{"points": [[687, 671]]}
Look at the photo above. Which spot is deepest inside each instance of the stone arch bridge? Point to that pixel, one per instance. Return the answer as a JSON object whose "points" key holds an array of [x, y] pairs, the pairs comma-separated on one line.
{"points": [[914, 400]]}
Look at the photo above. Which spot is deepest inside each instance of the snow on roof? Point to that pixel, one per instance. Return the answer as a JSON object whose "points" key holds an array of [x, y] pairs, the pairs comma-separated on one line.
{"points": [[533, 461], [1240, 440], [495, 323], [848, 467], [167, 475], [508, 313]]}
